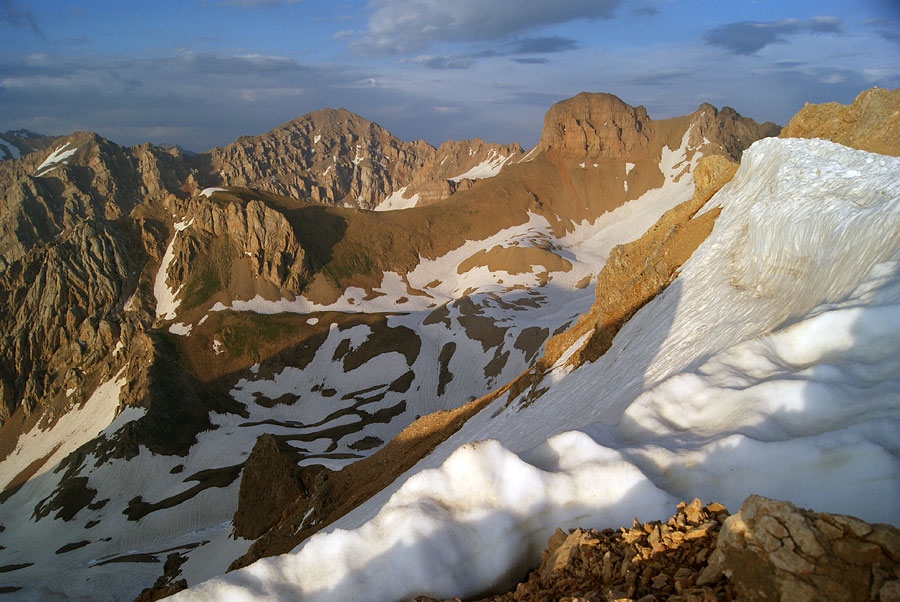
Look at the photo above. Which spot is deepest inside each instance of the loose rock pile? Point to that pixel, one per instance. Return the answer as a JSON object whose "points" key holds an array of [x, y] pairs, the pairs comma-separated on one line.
{"points": [[649, 561], [770, 551]]}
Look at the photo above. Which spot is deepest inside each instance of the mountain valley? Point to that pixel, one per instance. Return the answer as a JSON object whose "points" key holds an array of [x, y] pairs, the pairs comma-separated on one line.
{"points": [[327, 347]]}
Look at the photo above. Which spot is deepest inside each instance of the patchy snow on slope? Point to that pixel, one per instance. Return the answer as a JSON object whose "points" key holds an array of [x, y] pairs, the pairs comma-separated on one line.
{"points": [[769, 366], [166, 299], [56, 158], [488, 168], [396, 201], [181, 329], [528, 156], [76, 427], [12, 150]]}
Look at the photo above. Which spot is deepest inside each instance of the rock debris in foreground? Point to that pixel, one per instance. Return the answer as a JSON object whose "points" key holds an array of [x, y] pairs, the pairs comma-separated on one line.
{"points": [[770, 550]]}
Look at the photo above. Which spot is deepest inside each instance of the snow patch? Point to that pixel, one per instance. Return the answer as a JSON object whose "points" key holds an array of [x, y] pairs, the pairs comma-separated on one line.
{"points": [[181, 329], [12, 150], [488, 168], [207, 192], [73, 429], [166, 299], [430, 537], [396, 201], [55, 159]]}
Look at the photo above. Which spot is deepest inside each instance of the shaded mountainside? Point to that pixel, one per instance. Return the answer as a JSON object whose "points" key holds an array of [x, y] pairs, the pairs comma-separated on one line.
{"points": [[163, 313], [15, 143]]}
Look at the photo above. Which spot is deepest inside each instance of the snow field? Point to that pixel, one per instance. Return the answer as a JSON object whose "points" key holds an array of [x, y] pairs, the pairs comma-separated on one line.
{"points": [[73, 429], [396, 201]]}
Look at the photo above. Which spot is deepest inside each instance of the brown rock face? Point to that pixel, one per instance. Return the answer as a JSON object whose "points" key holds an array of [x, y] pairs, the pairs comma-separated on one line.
{"points": [[597, 126], [871, 123], [61, 312], [771, 550], [732, 132], [271, 483], [439, 176], [101, 180], [337, 158], [330, 156], [259, 233]]}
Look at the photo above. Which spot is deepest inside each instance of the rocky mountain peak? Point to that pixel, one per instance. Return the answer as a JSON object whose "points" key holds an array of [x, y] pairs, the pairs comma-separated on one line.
{"points": [[728, 128], [596, 125]]}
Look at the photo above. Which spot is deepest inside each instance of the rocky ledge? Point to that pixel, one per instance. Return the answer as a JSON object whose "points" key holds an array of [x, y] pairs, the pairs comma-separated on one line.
{"points": [[769, 550]]}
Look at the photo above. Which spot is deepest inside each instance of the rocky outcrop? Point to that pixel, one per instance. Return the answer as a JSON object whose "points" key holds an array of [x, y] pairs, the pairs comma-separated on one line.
{"points": [[769, 551], [236, 248], [602, 127], [658, 560], [597, 126], [83, 177], [17, 143], [772, 550], [729, 130], [870, 123], [446, 172], [61, 312], [272, 482]]}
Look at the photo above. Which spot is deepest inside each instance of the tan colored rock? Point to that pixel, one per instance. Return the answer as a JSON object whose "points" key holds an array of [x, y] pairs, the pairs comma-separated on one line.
{"points": [[870, 123], [771, 550]]}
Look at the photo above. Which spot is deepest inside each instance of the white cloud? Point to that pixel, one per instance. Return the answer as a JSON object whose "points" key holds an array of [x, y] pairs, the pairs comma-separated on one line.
{"points": [[405, 26]]}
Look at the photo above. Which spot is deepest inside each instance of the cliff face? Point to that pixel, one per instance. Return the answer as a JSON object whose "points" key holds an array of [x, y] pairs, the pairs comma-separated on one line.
{"points": [[596, 126], [84, 177], [602, 127]]}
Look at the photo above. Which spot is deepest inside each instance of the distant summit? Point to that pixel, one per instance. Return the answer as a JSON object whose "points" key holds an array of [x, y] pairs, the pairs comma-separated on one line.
{"points": [[15, 143]]}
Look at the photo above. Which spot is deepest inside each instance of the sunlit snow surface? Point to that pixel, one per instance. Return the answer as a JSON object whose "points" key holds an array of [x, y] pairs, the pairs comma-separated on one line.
{"points": [[770, 366], [488, 168], [56, 158]]}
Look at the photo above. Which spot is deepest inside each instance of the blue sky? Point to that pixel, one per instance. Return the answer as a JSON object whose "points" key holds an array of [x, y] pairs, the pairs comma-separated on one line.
{"points": [[199, 73]]}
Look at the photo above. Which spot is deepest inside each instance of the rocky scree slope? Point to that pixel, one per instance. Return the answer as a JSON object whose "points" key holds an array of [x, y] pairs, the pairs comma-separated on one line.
{"points": [[123, 262]]}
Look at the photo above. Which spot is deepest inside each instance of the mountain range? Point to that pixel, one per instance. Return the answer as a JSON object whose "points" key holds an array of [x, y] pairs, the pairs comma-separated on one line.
{"points": [[206, 359]]}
